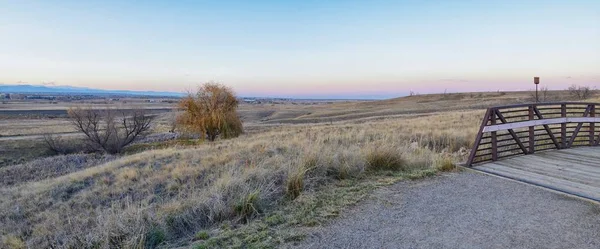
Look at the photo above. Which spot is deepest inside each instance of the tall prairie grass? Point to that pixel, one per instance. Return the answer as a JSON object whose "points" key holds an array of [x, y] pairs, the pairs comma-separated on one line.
{"points": [[156, 197]]}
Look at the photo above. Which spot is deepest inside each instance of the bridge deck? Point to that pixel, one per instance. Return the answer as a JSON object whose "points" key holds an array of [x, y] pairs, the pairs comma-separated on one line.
{"points": [[574, 171]]}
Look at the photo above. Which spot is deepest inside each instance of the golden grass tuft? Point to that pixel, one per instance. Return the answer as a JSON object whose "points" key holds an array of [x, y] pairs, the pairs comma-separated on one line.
{"points": [[128, 174], [295, 182], [445, 164], [12, 242], [385, 159]]}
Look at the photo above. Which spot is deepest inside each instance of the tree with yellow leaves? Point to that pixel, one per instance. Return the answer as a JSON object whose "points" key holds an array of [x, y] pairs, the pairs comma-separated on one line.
{"points": [[211, 112]]}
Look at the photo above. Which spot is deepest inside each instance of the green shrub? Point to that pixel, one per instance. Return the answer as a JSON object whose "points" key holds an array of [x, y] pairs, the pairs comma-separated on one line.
{"points": [[248, 206], [202, 235], [274, 220], [154, 237]]}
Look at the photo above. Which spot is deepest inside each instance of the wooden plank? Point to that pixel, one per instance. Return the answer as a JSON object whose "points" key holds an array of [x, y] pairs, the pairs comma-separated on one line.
{"points": [[573, 160], [562, 159], [539, 122], [575, 171], [586, 150], [581, 155], [544, 104], [527, 175], [595, 151], [571, 157], [542, 180], [557, 169], [574, 174]]}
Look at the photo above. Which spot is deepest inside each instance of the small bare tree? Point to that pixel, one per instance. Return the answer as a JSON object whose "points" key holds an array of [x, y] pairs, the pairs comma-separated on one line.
{"points": [[110, 130], [543, 95], [57, 145], [580, 92]]}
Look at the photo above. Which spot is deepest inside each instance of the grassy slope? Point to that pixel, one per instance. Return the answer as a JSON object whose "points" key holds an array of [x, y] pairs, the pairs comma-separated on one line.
{"points": [[347, 111], [172, 196]]}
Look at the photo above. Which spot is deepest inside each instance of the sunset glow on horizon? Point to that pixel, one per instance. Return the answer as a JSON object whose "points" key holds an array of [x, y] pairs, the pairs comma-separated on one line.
{"points": [[307, 49]]}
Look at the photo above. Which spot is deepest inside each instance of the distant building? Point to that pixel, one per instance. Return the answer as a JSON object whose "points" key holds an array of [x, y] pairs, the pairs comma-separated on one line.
{"points": [[41, 97], [15, 96]]}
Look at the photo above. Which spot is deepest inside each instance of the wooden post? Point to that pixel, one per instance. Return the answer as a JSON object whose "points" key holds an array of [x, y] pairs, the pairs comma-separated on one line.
{"points": [[592, 124], [531, 132], [484, 123], [563, 126], [494, 139], [588, 109], [536, 81]]}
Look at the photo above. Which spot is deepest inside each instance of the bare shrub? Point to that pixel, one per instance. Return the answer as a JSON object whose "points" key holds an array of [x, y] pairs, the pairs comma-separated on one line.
{"points": [[543, 95], [212, 111], [545, 92], [58, 146], [110, 130], [580, 92]]}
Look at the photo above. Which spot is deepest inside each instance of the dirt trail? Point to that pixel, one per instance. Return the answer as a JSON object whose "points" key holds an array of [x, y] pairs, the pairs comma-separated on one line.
{"points": [[37, 136], [463, 210]]}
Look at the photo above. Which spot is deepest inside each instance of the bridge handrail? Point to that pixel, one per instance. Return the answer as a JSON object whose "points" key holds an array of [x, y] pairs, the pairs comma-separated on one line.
{"points": [[526, 128]]}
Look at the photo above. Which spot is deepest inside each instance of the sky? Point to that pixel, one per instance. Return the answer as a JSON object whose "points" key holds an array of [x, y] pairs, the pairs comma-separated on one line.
{"points": [[309, 48]]}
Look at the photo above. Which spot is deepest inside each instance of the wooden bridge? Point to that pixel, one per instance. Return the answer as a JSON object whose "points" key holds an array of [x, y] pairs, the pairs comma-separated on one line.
{"points": [[559, 141]]}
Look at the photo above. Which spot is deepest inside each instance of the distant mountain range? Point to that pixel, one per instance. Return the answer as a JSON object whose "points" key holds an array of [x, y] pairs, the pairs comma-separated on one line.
{"points": [[38, 89]]}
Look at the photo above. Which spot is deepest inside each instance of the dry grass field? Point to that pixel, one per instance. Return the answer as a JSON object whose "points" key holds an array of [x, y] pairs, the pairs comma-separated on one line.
{"points": [[296, 166]]}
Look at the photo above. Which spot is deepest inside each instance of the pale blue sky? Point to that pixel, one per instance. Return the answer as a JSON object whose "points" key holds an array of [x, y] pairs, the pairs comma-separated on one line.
{"points": [[302, 48]]}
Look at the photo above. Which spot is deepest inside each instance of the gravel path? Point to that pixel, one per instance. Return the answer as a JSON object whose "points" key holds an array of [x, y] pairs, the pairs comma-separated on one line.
{"points": [[463, 210]]}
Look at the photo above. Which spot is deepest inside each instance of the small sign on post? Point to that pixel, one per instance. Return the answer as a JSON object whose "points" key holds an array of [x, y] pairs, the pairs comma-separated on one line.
{"points": [[536, 81]]}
